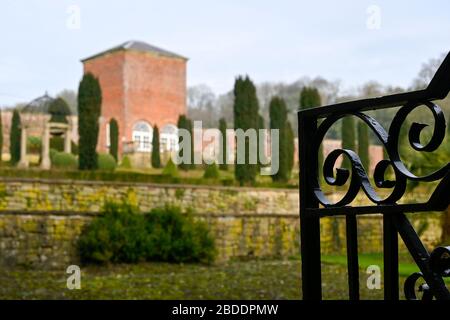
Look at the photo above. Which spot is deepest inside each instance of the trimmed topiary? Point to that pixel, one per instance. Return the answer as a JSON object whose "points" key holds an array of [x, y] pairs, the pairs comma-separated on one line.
{"points": [[59, 110], [52, 154], [62, 160], [211, 172], [106, 162], [170, 169], [126, 163]]}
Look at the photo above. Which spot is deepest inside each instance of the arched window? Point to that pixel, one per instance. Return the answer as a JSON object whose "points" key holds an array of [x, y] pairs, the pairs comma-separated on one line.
{"points": [[142, 136], [169, 138]]}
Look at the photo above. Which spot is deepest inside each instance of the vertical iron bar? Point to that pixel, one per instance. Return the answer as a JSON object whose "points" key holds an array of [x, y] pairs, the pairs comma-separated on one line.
{"points": [[390, 256], [309, 225], [352, 256]]}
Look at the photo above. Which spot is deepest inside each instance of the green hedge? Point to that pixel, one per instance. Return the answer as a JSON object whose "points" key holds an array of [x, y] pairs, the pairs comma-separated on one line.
{"points": [[121, 176], [126, 163], [66, 161], [211, 172], [106, 162], [164, 234], [171, 169]]}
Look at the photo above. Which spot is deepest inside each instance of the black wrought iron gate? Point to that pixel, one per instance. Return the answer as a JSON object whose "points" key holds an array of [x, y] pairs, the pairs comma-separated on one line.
{"points": [[314, 204]]}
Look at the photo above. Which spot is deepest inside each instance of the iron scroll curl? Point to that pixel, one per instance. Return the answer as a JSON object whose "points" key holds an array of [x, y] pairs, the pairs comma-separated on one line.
{"points": [[358, 175], [439, 264]]}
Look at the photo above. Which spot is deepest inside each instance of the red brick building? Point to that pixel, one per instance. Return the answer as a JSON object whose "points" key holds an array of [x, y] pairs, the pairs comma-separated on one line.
{"points": [[142, 86]]}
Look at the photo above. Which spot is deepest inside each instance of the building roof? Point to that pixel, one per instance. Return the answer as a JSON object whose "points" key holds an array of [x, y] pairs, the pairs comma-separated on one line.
{"points": [[137, 46], [39, 105]]}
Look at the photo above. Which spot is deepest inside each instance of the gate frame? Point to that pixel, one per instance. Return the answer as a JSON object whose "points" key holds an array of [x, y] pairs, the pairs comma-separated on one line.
{"points": [[314, 204]]}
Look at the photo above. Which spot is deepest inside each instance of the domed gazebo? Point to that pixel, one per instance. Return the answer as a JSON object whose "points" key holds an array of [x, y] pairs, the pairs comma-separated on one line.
{"points": [[53, 115]]}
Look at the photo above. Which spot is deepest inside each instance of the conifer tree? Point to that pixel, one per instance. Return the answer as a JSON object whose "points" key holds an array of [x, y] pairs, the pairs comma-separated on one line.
{"points": [[310, 98], [278, 121], [290, 144], [186, 124], [245, 110], [89, 109], [15, 138], [113, 138], [223, 144], [156, 157]]}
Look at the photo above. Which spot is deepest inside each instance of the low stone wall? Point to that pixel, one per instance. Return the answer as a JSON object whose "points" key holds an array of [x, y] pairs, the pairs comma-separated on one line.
{"points": [[40, 220]]}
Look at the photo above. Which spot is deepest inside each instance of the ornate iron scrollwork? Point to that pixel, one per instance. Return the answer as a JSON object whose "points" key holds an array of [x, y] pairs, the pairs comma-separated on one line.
{"points": [[439, 263], [434, 267], [390, 141]]}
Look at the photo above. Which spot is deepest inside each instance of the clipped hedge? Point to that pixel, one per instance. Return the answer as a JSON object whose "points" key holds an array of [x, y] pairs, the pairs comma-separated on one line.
{"points": [[211, 172], [66, 161], [121, 176], [171, 169], [122, 235], [57, 143], [106, 162], [125, 163]]}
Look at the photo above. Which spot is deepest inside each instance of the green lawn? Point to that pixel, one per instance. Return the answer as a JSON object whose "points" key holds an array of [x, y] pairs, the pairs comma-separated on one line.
{"points": [[256, 279], [406, 265]]}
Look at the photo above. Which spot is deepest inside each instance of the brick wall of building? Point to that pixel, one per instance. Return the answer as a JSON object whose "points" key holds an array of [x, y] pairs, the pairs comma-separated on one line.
{"points": [[109, 70], [138, 86]]}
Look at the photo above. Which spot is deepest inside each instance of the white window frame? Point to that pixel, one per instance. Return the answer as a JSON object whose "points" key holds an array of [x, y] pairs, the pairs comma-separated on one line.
{"points": [[142, 136]]}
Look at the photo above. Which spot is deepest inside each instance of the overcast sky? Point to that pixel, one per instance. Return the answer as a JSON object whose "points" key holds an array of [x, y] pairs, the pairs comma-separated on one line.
{"points": [[354, 41]]}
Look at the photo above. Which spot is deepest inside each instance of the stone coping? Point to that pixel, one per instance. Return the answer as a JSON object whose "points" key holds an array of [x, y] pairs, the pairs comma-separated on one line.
{"points": [[142, 184], [67, 213]]}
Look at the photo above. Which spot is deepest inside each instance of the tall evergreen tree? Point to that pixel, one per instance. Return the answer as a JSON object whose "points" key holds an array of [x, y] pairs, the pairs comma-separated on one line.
{"points": [[114, 138], [310, 98], [183, 123], [223, 144], [156, 157], [245, 110], [1, 137], [15, 138], [89, 108], [261, 144], [290, 144], [363, 145], [190, 128], [278, 121], [348, 138]]}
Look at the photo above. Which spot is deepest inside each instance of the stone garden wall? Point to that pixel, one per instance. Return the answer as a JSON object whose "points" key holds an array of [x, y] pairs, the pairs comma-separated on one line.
{"points": [[40, 220]]}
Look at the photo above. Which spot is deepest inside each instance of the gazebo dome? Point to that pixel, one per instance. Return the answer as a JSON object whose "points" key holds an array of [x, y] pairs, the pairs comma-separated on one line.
{"points": [[56, 108], [39, 105]]}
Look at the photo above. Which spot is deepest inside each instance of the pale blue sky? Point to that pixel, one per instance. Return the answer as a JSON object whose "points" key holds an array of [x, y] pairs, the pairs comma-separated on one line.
{"points": [[269, 40]]}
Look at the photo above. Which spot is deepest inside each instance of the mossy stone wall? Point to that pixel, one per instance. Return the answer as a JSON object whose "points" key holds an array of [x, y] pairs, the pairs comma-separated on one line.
{"points": [[40, 220]]}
